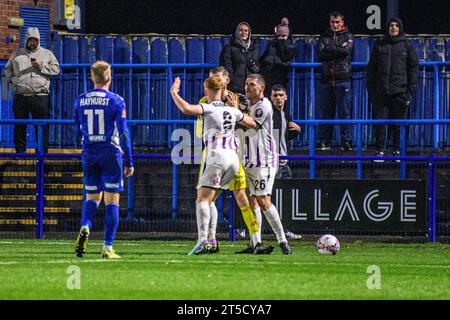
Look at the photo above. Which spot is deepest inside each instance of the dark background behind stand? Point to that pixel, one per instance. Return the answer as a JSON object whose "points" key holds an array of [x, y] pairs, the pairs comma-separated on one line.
{"points": [[221, 17]]}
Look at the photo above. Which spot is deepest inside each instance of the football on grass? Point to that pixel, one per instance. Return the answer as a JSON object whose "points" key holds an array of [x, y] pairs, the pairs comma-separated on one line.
{"points": [[328, 244]]}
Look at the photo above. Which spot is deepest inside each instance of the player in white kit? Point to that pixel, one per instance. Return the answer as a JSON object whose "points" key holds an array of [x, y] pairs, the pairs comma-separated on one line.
{"points": [[221, 161], [261, 158]]}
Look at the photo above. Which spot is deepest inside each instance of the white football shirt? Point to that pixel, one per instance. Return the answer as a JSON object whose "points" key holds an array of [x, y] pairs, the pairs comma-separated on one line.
{"points": [[219, 122], [260, 146]]}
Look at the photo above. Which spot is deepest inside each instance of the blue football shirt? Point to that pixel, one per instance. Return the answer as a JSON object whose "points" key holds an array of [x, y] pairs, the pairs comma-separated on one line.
{"points": [[101, 118]]}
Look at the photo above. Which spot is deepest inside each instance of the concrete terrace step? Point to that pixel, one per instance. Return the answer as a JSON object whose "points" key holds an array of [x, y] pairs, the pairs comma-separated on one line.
{"points": [[30, 209], [32, 174], [50, 150]]}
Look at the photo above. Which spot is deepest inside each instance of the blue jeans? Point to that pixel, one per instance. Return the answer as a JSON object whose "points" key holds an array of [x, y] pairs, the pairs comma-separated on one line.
{"points": [[336, 97]]}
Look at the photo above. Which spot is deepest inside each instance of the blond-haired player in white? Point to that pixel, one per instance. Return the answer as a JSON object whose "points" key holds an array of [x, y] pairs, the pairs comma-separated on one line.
{"points": [[221, 160], [261, 158]]}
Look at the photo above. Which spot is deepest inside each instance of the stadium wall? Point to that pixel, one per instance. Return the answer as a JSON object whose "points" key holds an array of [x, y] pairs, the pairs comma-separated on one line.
{"points": [[11, 8]]}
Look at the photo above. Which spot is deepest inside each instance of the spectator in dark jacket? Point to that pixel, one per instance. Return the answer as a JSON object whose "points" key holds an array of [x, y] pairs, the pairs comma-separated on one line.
{"points": [[277, 57], [240, 57], [334, 50], [287, 130], [391, 81]]}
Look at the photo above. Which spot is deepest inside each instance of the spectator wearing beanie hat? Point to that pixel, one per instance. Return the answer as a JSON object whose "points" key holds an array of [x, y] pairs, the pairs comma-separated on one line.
{"points": [[277, 57], [282, 30]]}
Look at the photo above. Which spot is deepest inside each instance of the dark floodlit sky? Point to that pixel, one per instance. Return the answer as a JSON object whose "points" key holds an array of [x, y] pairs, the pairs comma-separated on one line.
{"points": [[221, 17]]}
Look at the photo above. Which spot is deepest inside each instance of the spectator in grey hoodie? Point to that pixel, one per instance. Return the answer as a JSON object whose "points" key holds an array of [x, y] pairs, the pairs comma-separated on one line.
{"points": [[29, 69]]}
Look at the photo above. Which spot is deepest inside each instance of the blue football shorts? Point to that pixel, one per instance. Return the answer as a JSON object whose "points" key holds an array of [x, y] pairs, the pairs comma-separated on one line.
{"points": [[102, 171]]}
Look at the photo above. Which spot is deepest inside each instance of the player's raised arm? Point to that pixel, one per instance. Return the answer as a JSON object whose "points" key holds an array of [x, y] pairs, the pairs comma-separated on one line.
{"points": [[184, 106]]}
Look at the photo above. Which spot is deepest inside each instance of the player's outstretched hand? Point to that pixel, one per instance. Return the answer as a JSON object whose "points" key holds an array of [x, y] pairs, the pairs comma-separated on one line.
{"points": [[128, 171], [176, 85], [244, 103]]}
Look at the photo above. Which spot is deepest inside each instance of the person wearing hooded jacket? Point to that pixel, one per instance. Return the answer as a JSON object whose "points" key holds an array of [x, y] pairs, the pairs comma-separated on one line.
{"points": [[29, 69], [391, 81], [334, 50], [240, 57], [277, 57]]}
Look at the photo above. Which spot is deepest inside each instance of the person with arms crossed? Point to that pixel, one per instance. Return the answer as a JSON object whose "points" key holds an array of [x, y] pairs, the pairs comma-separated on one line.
{"points": [[261, 158], [101, 118]]}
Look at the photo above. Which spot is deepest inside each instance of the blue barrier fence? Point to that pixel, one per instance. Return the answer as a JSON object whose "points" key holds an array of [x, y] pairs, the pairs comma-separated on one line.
{"points": [[431, 161], [145, 88]]}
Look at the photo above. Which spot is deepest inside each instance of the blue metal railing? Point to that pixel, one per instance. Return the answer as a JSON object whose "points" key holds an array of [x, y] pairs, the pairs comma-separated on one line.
{"points": [[172, 124], [312, 157], [171, 67], [312, 124]]}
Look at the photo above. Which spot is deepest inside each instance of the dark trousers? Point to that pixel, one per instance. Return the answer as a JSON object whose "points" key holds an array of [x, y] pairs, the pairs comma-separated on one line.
{"points": [[39, 108], [336, 97], [389, 107], [284, 172]]}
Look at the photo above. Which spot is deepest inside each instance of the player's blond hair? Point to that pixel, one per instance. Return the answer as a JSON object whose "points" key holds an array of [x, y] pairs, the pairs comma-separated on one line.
{"points": [[214, 83], [101, 72]]}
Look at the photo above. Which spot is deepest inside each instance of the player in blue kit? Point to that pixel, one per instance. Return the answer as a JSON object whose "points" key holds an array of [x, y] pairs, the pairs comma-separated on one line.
{"points": [[101, 118]]}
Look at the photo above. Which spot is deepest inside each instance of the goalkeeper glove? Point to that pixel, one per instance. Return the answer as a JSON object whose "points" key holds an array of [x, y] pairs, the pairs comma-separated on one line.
{"points": [[244, 103]]}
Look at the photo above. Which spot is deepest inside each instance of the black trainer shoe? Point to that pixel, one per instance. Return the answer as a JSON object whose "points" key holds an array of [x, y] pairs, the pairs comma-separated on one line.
{"points": [[260, 249], [81, 244], [347, 146], [214, 247], [248, 250], [285, 248], [323, 146]]}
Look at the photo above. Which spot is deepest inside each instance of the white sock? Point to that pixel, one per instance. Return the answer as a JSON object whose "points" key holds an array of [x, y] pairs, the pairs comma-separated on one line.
{"points": [[212, 221], [109, 248], [274, 220], [257, 235], [203, 216]]}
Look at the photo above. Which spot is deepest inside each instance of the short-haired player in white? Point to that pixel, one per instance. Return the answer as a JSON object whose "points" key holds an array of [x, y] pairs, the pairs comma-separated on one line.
{"points": [[221, 161], [261, 158]]}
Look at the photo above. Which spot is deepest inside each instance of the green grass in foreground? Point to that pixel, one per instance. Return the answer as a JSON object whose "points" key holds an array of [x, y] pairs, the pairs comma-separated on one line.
{"points": [[31, 269]]}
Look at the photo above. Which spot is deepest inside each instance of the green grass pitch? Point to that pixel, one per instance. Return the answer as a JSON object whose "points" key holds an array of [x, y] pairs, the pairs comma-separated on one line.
{"points": [[31, 269]]}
